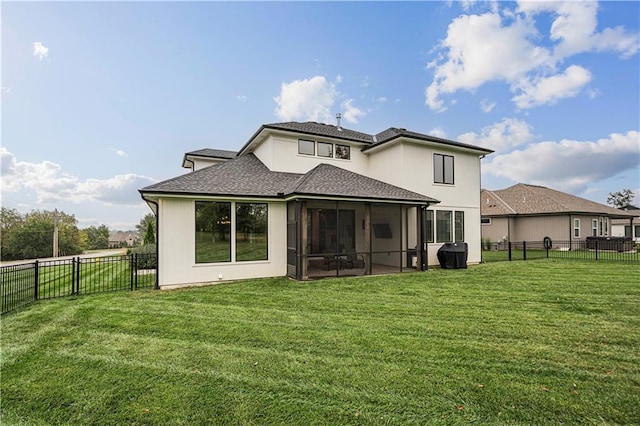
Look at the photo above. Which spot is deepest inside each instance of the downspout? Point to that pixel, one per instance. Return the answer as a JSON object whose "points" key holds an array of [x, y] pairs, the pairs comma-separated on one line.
{"points": [[424, 264], [157, 286]]}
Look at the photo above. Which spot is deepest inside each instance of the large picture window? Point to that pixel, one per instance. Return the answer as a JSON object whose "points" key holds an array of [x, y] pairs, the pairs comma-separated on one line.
{"points": [[443, 226], [213, 232], [443, 169], [251, 231]]}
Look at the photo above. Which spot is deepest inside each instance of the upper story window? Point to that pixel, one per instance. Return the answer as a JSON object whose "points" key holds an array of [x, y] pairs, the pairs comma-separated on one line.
{"points": [[443, 169], [306, 147], [343, 152], [325, 149]]}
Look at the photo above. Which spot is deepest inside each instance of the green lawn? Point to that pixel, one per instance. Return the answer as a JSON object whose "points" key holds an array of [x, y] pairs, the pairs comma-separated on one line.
{"points": [[544, 342]]}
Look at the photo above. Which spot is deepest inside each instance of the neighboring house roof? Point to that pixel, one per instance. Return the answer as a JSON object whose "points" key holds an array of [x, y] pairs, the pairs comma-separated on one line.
{"points": [[247, 176], [523, 199], [631, 209], [368, 141], [221, 154], [122, 236]]}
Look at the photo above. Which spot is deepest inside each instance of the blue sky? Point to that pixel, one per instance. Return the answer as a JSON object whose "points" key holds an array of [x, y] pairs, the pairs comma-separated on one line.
{"points": [[101, 99]]}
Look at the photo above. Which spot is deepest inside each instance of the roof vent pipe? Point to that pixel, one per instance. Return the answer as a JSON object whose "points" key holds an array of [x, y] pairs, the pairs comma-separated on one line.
{"points": [[338, 117]]}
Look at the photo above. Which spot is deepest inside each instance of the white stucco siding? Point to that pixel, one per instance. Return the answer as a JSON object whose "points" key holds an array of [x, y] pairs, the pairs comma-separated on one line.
{"points": [[280, 154], [201, 163], [410, 166], [176, 248]]}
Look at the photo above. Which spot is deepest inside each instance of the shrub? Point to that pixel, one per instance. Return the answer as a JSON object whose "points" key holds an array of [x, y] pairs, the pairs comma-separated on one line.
{"points": [[145, 260]]}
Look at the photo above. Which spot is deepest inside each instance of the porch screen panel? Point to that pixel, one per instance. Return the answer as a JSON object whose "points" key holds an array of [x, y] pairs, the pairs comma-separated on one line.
{"points": [[251, 231], [213, 232]]}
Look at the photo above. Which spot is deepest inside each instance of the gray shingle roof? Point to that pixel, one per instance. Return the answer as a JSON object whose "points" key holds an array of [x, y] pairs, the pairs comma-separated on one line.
{"points": [[213, 153], [326, 179], [393, 133], [523, 199], [369, 141], [247, 176]]}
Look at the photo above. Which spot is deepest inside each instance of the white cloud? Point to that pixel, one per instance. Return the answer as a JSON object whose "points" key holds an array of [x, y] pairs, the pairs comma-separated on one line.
{"points": [[504, 45], [241, 98], [550, 89], [304, 100], [574, 29], [40, 51], [569, 165], [51, 184], [438, 132], [486, 105], [314, 99], [351, 113], [119, 152], [479, 49], [507, 134]]}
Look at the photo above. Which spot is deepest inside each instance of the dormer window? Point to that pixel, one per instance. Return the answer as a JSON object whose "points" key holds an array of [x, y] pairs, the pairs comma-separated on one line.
{"points": [[343, 152], [325, 149], [306, 147]]}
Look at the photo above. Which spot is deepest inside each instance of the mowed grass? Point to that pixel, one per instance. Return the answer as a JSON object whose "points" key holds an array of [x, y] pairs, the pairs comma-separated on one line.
{"points": [[544, 342]]}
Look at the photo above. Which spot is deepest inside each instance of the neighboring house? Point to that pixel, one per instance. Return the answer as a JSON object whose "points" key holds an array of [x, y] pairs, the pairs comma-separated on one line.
{"points": [[530, 213], [308, 200], [122, 239], [625, 227]]}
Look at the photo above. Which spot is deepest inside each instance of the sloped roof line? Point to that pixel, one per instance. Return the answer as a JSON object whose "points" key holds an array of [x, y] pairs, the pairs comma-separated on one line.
{"points": [[371, 141], [247, 176], [504, 204], [526, 199]]}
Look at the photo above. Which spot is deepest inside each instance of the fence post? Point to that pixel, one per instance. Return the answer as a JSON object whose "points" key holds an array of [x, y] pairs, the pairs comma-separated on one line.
{"points": [[524, 250], [73, 276], [36, 283], [78, 276], [596, 241], [509, 250], [132, 266]]}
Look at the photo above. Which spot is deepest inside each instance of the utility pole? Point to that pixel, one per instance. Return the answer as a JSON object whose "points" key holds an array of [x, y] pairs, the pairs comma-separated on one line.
{"points": [[55, 233]]}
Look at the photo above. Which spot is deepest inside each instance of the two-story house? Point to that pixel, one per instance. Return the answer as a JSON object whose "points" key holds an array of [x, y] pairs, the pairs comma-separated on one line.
{"points": [[309, 200]]}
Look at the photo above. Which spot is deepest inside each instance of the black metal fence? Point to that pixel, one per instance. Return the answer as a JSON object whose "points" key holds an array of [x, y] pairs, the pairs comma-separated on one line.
{"points": [[27, 282], [623, 251]]}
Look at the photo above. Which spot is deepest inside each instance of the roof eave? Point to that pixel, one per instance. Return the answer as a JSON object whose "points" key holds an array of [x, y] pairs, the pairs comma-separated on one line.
{"points": [[476, 149]]}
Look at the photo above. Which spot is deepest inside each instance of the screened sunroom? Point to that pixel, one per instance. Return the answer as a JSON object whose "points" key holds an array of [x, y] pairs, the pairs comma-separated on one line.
{"points": [[348, 238]]}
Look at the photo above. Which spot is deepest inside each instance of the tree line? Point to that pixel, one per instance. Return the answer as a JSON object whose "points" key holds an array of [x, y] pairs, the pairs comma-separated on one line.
{"points": [[31, 235]]}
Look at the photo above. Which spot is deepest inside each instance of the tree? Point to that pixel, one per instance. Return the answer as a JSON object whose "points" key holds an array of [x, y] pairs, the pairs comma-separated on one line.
{"points": [[31, 236], [10, 220], [621, 198], [97, 237], [149, 236], [143, 227]]}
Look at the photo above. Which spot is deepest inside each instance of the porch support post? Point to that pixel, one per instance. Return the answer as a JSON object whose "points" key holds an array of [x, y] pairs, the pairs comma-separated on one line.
{"points": [[367, 238], [302, 223], [422, 241]]}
